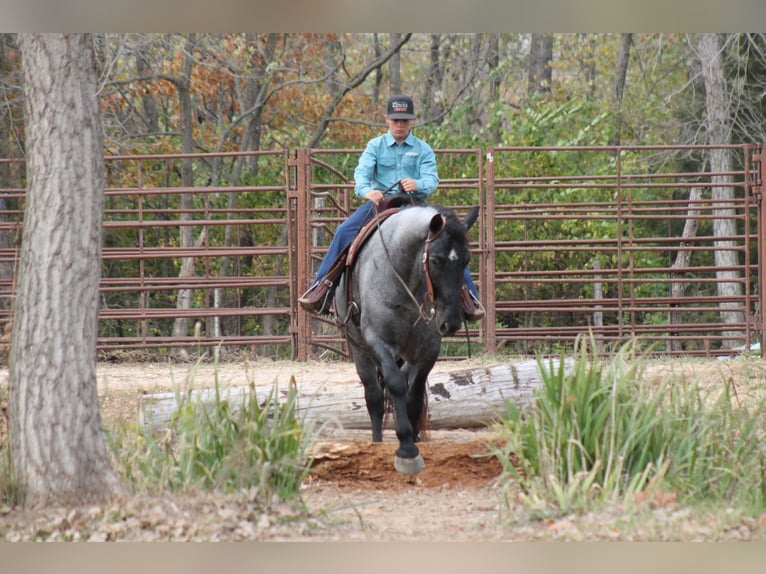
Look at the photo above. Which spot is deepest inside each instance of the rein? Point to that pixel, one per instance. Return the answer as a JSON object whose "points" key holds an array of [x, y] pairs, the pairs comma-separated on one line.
{"points": [[430, 298]]}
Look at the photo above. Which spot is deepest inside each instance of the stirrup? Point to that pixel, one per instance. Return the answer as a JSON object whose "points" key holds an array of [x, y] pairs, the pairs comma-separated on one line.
{"points": [[318, 298]]}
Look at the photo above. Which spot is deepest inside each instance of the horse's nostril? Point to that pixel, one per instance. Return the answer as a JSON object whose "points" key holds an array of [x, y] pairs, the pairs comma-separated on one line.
{"points": [[446, 328]]}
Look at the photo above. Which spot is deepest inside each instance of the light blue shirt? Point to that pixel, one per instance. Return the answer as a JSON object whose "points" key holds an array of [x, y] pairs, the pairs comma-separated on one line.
{"points": [[384, 162]]}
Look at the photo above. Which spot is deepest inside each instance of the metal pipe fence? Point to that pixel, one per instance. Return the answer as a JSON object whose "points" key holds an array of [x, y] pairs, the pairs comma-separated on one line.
{"points": [[619, 242]]}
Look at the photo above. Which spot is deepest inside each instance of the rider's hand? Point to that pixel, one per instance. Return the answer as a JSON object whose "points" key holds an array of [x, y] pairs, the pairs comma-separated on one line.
{"points": [[374, 195], [408, 184]]}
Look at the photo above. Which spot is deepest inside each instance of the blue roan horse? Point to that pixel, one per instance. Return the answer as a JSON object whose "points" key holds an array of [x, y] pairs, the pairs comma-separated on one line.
{"points": [[405, 296]]}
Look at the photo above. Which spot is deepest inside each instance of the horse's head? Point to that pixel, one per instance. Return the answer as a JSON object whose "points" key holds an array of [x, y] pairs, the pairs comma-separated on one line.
{"points": [[446, 257]]}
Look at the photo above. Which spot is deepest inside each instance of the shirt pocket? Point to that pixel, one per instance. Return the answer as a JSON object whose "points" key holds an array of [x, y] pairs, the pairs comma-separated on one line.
{"points": [[411, 163], [387, 164]]}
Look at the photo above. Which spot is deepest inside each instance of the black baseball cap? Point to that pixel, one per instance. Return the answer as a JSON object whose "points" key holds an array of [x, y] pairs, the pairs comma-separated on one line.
{"points": [[400, 108]]}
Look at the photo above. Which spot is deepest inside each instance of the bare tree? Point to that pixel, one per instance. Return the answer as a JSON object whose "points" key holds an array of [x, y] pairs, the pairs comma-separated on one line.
{"points": [[151, 113], [620, 77], [351, 83], [684, 256], [745, 69], [183, 86], [395, 67], [540, 73], [57, 444], [379, 72], [587, 62], [433, 105], [493, 62], [718, 129], [257, 92]]}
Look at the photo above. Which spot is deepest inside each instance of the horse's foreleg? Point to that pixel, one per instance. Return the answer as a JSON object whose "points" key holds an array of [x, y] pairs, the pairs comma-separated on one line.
{"points": [[373, 395], [416, 395], [415, 406], [407, 459]]}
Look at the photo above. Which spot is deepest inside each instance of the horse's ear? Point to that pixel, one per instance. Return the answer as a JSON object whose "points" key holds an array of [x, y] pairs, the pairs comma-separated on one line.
{"points": [[436, 224], [470, 217]]}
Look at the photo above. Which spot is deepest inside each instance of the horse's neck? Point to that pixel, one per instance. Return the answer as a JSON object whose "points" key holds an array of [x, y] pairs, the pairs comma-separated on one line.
{"points": [[403, 241], [409, 227]]}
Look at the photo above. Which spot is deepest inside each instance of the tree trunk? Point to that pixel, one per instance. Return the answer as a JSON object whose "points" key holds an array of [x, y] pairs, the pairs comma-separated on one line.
{"points": [[57, 445], [598, 314], [378, 72], [493, 61], [253, 101], [433, 101], [151, 113], [587, 58], [333, 55], [540, 73], [395, 67], [620, 77], [183, 85], [719, 133], [683, 257], [458, 399]]}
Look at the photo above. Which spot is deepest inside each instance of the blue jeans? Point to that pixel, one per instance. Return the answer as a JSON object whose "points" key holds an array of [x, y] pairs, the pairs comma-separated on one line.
{"points": [[345, 234]]}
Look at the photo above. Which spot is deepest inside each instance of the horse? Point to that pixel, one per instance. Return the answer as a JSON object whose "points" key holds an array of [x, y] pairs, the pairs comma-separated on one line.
{"points": [[395, 303]]}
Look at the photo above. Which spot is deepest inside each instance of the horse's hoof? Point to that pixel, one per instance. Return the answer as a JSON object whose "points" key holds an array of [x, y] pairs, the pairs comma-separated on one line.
{"points": [[409, 466]]}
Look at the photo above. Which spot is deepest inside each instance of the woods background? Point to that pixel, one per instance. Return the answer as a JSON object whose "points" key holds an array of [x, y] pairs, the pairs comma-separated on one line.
{"points": [[266, 93]]}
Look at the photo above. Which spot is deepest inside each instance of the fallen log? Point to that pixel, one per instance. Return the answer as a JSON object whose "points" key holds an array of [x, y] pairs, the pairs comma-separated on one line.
{"points": [[467, 398]]}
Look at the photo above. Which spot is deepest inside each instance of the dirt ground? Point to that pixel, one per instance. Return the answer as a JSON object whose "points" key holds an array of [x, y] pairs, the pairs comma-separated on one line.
{"points": [[353, 492], [353, 486]]}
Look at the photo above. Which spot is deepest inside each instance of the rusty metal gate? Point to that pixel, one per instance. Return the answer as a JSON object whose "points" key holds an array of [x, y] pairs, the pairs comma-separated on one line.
{"points": [[637, 245], [582, 240], [620, 242]]}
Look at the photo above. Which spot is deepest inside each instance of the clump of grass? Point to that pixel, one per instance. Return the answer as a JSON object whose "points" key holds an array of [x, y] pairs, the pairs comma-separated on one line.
{"points": [[216, 445], [599, 433]]}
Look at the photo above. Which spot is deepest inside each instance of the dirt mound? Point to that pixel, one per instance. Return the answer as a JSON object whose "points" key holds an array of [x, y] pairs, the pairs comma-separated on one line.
{"points": [[361, 464]]}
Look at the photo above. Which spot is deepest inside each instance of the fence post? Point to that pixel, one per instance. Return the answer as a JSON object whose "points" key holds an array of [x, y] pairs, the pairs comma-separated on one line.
{"points": [[300, 195], [487, 263]]}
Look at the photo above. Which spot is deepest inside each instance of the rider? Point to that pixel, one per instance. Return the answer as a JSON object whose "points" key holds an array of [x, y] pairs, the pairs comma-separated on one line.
{"points": [[394, 157]]}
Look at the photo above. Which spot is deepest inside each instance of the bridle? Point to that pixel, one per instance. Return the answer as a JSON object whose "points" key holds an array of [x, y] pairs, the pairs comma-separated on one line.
{"points": [[430, 296], [429, 299]]}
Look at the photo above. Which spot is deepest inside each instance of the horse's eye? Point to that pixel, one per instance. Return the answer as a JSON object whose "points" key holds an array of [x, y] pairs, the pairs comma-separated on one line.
{"points": [[437, 261]]}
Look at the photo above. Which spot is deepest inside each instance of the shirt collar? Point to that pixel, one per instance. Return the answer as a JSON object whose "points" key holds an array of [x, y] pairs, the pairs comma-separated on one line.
{"points": [[389, 139]]}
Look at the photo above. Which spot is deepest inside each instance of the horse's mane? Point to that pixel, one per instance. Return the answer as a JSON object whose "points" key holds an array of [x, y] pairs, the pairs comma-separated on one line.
{"points": [[423, 211]]}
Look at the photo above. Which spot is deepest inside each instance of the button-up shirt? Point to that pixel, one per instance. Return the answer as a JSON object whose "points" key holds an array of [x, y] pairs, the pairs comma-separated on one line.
{"points": [[384, 162]]}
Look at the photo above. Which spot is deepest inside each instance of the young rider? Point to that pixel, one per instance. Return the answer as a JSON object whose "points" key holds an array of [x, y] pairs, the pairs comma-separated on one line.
{"points": [[394, 157]]}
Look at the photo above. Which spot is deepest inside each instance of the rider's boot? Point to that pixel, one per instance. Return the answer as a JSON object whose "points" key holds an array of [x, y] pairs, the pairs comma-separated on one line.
{"points": [[318, 298], [473, 310]]}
